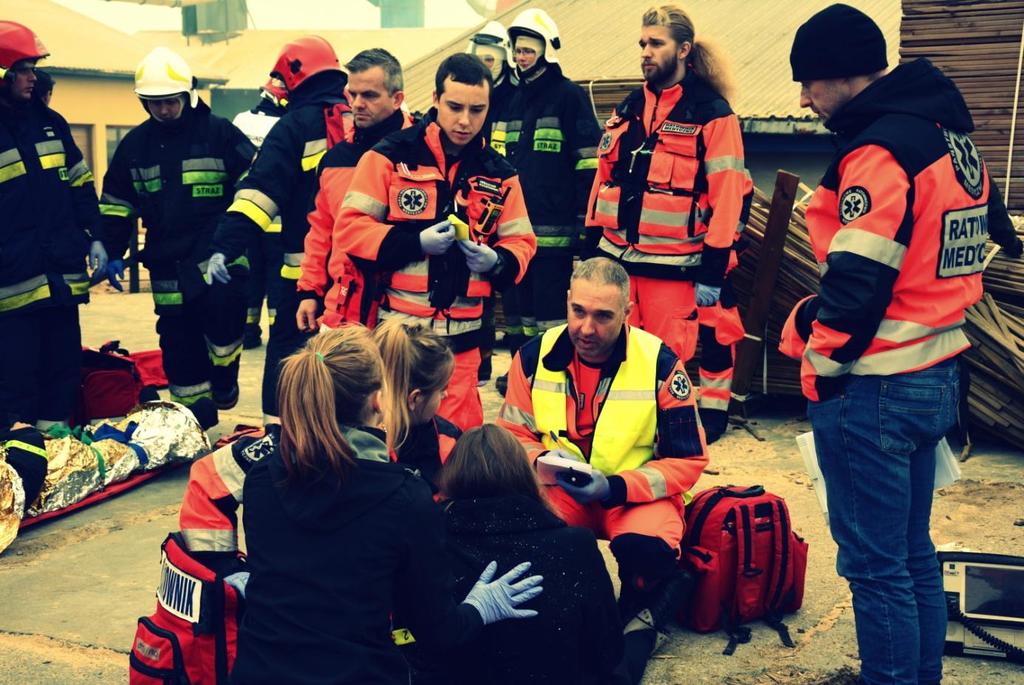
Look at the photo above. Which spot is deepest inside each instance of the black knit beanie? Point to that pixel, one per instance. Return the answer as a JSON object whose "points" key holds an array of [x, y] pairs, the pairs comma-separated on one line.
{"points": [[837, 42]]}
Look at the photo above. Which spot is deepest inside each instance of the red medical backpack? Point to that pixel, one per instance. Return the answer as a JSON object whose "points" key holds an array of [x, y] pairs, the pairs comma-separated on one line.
{"points": [[751, 564]]}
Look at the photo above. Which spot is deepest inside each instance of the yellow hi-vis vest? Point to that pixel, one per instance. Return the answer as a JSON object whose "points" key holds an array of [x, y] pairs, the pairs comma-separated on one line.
{"points": [[625, 429]]}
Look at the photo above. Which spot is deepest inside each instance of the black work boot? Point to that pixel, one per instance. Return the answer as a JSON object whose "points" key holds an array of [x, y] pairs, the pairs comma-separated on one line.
{"points": [[251, 338], [226, 399], [205, 411], [715, 422]]}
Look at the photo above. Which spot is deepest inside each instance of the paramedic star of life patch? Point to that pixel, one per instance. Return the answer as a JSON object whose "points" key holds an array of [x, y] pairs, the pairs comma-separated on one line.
{"points": [[853, 203], [679, 386]]}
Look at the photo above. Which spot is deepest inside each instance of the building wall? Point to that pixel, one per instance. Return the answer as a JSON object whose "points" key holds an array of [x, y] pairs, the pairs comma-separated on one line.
{"points": [[96, 106]]}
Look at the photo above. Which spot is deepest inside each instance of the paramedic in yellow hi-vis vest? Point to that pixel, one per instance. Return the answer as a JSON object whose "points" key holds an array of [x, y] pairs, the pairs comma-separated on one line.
{"points": [[601, 391]]}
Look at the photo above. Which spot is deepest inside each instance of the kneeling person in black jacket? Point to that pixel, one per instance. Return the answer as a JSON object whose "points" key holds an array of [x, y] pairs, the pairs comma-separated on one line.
{"points": [[495, 510], [339, 536]]}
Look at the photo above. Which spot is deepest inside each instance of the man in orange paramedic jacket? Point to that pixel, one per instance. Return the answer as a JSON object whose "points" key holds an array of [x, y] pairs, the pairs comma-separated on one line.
{"points": [[898, 225], [617, 397], [670, 198], [375, 93], [395, 218]]}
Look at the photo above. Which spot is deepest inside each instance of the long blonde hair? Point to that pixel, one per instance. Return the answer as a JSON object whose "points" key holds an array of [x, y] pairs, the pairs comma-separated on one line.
{"points": [[705, 59], [414, 359], [328, 382]]}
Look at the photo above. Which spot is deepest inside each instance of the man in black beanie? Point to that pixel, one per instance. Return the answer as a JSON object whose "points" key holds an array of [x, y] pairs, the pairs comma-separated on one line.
{"points": [[899, 225]]}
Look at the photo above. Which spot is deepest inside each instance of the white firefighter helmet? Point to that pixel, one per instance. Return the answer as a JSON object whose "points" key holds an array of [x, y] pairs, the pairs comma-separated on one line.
{"points": [[164, 73], [539, 24], [492, 35]]}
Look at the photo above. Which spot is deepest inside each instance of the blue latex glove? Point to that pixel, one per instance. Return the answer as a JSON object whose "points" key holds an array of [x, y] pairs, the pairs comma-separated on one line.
{"points": [[479, 258], [97, 256], [217, 270], [115, 272], [435, 240], [497, 600], [595, 491], [238, 581], [707, 295]]}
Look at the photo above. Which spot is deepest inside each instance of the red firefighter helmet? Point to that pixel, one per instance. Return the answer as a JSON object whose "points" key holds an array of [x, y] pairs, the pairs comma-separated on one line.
{"points": [[302, 58], [276, 91], [17, 43]]}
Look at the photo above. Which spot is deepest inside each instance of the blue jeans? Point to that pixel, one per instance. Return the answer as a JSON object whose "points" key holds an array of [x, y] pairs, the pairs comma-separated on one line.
{"points": [[876, 447]]}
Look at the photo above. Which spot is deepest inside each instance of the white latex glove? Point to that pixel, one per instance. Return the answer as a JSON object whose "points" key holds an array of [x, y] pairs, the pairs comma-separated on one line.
{"points": [[217, 270], [479, 258], [97, 256], [435, 240]]}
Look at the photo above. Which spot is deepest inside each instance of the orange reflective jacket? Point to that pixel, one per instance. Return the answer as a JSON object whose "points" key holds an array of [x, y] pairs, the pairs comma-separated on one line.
{"points": [[672, 192], [898, 226], [326, 273], [406, 184]]}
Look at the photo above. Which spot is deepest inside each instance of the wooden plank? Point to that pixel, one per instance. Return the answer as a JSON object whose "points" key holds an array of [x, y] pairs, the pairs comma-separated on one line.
{"points": [[748, 351]]}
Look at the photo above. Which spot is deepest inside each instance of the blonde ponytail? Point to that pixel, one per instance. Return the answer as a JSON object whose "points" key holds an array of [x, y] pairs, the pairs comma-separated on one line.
{"points": [[705, 59], [328, 382], [414, 359]]}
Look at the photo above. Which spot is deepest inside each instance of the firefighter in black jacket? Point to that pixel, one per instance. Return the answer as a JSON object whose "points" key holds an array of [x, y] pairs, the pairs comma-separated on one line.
{"points": [[283, 181], [490, 44], [177, 171], [46, 190], [550, 135]]}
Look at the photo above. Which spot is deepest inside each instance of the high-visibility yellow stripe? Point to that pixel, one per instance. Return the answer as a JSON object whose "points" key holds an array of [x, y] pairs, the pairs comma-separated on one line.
{"points": [[190, 177], [309, 163], [167, 298], [115, 210], [588, 163], [153, 185], [26, 298], [553, 241], [548, 134], [274, 227], [25, 447], [78, 287], [12, 171], [227, 359], [80, 181], [251, 210], [292, 273], [402, 636], [54, 161]]}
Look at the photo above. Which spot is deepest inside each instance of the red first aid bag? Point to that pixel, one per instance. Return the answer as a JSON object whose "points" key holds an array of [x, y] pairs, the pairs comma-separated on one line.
{"points": [[750, 562], [193, 634], [110, 386]]}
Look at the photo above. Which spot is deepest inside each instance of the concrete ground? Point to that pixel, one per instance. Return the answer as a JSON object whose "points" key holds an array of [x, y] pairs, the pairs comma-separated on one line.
{"points": [[71, 590]]}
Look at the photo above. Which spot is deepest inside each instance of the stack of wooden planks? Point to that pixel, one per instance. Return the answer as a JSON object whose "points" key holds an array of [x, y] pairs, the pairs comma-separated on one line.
{"points": [[977, 44], [995, 326]]}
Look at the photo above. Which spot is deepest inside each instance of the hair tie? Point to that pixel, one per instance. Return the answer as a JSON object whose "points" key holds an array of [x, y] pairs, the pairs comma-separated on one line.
{"points": [[319, 356]]}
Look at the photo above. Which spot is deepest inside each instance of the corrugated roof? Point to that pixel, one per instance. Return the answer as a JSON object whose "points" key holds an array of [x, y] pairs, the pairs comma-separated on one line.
{"points": [[78, 43], [599, 42], [246, 59]]}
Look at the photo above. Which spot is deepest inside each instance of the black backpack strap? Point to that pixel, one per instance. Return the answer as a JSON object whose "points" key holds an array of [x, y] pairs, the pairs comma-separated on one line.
{"points": [[775, 621]]}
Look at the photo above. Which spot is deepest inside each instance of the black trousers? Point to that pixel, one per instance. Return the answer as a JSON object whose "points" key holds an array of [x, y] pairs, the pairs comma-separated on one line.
{"points": [[537, 302], [264, 277], [40, 364], [200, 333], [285, 339]]}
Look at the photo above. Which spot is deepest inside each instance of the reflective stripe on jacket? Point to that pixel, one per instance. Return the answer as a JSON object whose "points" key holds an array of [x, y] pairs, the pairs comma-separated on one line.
{"points": [[549, 133], [655, 388], [405, 184], [672, 192], [898, 227], [178, 180], [329, 273], [50, 210]]}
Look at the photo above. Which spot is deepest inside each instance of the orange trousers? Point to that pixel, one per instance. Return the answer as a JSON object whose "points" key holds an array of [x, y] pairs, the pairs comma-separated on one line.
{"points": [[462, 405], [669, 310], [662, 518]]}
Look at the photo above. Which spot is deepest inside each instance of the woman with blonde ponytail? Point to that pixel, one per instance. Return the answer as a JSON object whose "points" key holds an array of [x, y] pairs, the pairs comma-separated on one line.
{"points": [[417, 368], [340, 537], [673, 153]]}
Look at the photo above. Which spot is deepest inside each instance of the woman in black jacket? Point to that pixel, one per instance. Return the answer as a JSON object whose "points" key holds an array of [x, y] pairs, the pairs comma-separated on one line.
{"points": [[339, 536], [495, 510]]}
